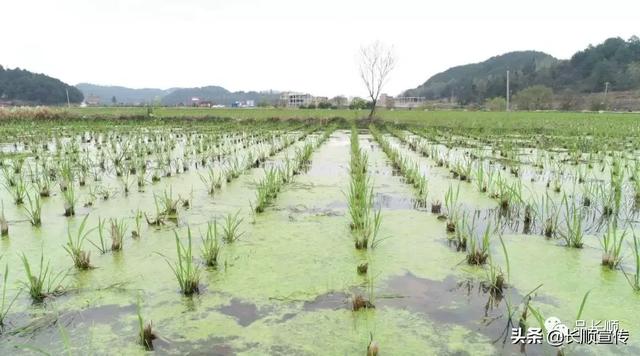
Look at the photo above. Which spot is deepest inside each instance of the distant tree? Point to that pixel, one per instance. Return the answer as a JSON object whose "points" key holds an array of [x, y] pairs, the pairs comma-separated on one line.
{"points": [[389, 103], [537, 97], [496, 104], [597, 103], [376, 62], [633, 73], [339, 101], [358, 104], [569, 100], [324, 105], [114, 101], [263, 104]]}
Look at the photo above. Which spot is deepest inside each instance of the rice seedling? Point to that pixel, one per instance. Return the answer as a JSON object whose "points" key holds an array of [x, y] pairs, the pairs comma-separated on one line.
{"points": [[495, 277], [540, 319], [127, 181], [573, 233], [303, 156], [365, 222], [137, 231], [4, 224], [547, 211], [478, 249], [145, 331], [634, 279], [168, 205], [34, 210], [231, 228], [460, 234], [410, 171], [18, 190], [118, 230], [74, 247], [141, 180], [480, 179], [268, 189], [70, 200], [42, 183], [359, 301], [452, 206], [43, 284], [612, 246], [101, 245], [589, 191], [210, 245], [212, 180], [185, 270], [6, 304]]}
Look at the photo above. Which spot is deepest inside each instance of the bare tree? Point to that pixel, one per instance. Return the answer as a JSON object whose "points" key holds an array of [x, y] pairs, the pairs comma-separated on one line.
{"points": [[376, 62]]}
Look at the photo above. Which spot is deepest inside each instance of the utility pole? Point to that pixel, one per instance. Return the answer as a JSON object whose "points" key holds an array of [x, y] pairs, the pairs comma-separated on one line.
{"points": [[507, 90], [68, 102], [606, 89]]}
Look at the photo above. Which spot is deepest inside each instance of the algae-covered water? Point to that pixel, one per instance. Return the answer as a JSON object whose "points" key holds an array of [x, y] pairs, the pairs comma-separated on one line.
{"points": [[285, 287]]}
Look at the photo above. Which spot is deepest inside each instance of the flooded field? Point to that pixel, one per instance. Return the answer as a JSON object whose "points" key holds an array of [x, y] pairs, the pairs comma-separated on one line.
{"points": [[305, 238]]}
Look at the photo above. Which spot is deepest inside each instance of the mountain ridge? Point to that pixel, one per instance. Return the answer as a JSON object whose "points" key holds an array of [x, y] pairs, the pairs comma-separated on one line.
{"points": [[614, 61]]}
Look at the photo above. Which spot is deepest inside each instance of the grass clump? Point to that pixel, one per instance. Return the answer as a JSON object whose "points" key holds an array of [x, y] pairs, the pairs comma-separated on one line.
{"points": [[45, 282], [185, 270], [70, 200], [210, 245], [478, 249], [268, 189], [118, 229], [231, 228], [34, 210], [145, 331], [74, 247], [5, 304], [612, 247], [573, 234]]}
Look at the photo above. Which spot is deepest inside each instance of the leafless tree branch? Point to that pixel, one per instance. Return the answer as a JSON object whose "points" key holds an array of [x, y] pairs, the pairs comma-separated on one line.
{"points": [[376, 62]]}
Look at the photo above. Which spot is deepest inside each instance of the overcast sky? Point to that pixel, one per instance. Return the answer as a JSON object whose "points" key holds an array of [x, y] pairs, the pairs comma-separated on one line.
{"points": [[286, 44]]}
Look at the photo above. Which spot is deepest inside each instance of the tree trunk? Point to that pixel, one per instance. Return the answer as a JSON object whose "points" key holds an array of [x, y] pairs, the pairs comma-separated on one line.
{"points": [[373, 109]]}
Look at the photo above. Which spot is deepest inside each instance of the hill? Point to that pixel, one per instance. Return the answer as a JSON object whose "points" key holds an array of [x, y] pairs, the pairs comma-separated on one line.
{"points": [[173, 96], [123, 95], [217, 95], [615, 61], [24, 87]]}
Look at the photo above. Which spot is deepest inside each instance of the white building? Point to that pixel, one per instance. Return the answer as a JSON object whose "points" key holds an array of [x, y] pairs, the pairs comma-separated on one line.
{"points": [[295, 100], [407, 102]]}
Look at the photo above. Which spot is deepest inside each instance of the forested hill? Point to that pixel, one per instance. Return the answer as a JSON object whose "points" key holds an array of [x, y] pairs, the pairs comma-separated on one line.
{"points": [[217, 95], [108, 94], [616, 61], [22, 86]]}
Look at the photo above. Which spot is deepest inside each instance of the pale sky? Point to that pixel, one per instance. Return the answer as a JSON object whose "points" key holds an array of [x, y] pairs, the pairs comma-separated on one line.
{"points": [[299, 45]]}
